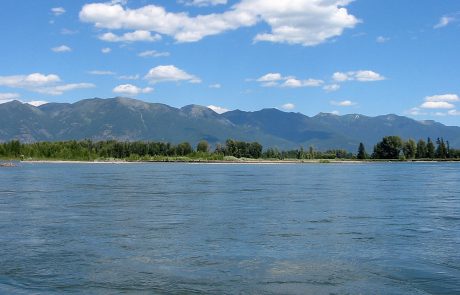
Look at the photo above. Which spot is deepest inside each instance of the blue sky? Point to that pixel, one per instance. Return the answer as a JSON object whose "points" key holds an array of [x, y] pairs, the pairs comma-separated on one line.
{"points": [[309, 56]]}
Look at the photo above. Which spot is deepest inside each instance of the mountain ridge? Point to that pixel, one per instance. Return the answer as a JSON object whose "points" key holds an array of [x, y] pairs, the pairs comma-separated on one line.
{"points": [[123, 118]]}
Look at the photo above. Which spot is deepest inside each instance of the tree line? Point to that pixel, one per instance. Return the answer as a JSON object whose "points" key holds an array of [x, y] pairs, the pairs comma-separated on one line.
{"points": [[393, 147], [390, 147]]}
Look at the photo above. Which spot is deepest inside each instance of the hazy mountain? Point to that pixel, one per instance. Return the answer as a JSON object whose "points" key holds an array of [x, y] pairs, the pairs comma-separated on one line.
{"points": [[129, 119]]}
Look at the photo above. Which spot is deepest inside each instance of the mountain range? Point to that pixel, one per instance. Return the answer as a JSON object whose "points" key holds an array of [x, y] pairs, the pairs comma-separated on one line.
{"points": [[129, 119]]}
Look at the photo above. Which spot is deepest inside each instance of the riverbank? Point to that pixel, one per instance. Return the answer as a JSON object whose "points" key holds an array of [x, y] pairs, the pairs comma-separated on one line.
{"points": [[237, 161]]}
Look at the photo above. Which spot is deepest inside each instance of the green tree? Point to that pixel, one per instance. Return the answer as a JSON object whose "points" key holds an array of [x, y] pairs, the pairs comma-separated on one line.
{"points": [[430, 149], [388, 148], [421, 149], [202, 147], [184, 149], [410, 149], [362, 155], [255, 150], [441, 150]]}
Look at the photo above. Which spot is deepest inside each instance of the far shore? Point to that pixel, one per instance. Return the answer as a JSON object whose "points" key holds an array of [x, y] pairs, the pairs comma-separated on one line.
{"points": [[234, 162]]}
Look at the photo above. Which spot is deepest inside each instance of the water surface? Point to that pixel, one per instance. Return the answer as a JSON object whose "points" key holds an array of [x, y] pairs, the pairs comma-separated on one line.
{"points": [[230, 229]]}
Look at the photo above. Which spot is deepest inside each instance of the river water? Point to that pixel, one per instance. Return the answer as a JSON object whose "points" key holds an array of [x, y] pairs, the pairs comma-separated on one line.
{"points": [[386, 228]]}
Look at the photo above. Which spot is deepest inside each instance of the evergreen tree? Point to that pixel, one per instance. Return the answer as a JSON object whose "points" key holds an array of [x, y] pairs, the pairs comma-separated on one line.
{"points": [[430, 149], [421, 149], [362, 155], [441, 150]]}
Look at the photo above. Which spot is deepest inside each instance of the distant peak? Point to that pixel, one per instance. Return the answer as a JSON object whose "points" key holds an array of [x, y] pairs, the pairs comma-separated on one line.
{"points": [[319, 115]]}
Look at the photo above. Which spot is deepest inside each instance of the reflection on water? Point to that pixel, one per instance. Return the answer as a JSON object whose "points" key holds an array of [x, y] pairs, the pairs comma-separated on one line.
{"points": [[226, 229]]}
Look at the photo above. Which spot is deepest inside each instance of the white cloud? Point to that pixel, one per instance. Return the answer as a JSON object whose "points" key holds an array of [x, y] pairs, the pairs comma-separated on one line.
{"points": [[274, 80], [453, 113], [217, 109], [215, 86], [28, 81], [270, 77], [415, 112], [305, 22], [130, 89], [57, 11], [288, 106], [381, 39], [361, 76], [136, 36], [443, 97], [101, 73], [444, 21], [331, 87], [9, 96], [106, 50], [170, 73], [62, 48], [312, 83], [437, 105], [335, 113], [60, 89], [344, 103], [130, 77], [41, 83], [340, 77], [292, 83], [201, 3], [153, 53]]}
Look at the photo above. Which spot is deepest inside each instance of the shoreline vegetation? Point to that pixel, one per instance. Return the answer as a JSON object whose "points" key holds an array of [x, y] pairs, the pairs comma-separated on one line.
{"points": [[389, 149]]}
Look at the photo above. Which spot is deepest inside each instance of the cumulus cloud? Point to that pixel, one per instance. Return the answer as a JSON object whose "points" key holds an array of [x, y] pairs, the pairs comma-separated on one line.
{"points": [[136, 36], [437, 105], [276, 79], [443, 97], [40, 83], [129, 89], [270, 77], [60, 89], [437, 102], [106, 50], [344, 103], [9, 96], [28, 81], [304, 22], [201, 3], [170, 73], [217, 109], [57, 11], [153, 53], [288, 106], [361, 76], [62, 48]]}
